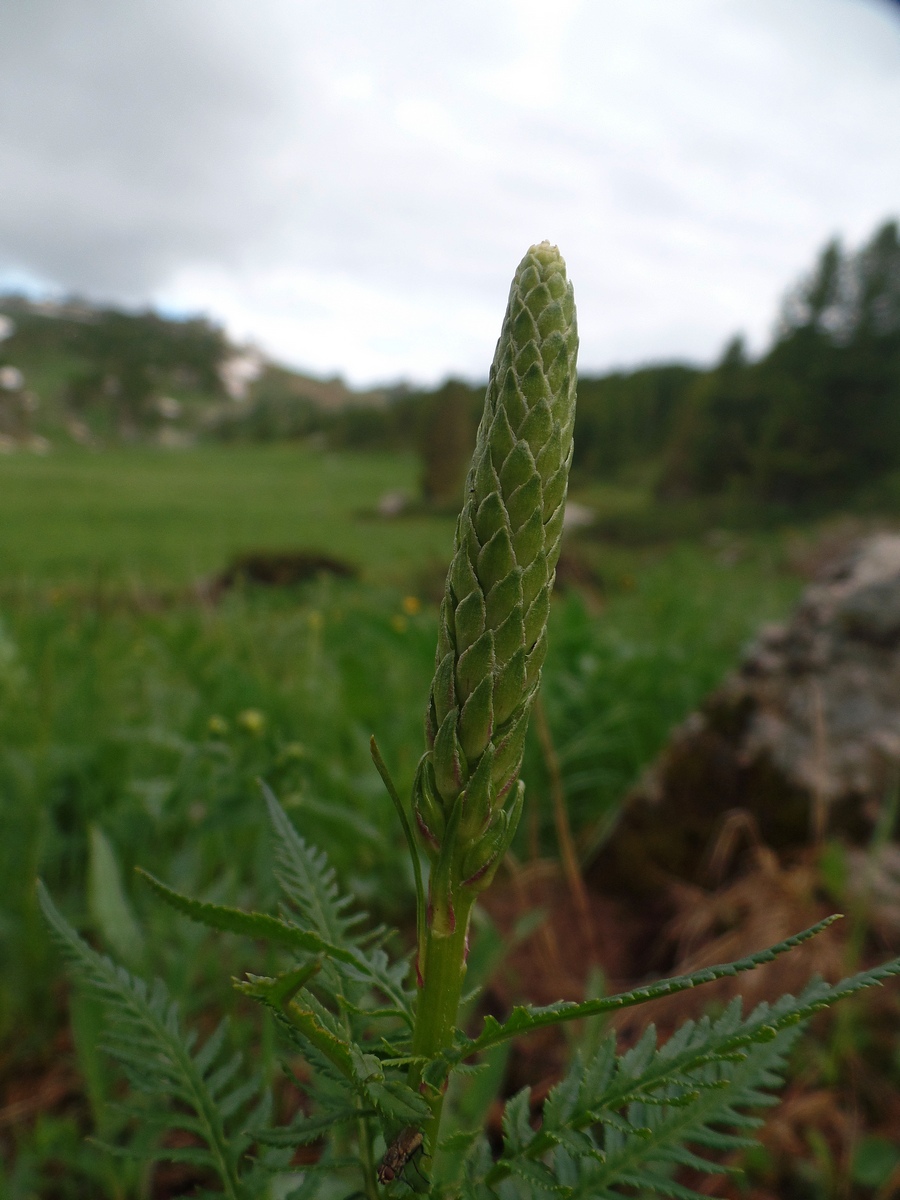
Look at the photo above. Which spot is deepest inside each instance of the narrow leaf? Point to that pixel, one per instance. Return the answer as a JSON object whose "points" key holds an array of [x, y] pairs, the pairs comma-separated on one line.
{"points": [[525, 1018], [411, 845], [108, 904], [255, 925]]}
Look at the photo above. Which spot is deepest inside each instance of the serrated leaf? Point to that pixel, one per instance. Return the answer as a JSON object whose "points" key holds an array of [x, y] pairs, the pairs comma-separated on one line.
{"points": [[254, 925], [397, 1103], [633, 1064], [461, 1141], [309, 885], [525, 1018], [307, 879], [538, 1176], [517, 1131], [308, 1129], [305, 1021], [694, 1091], [148, 1040]]}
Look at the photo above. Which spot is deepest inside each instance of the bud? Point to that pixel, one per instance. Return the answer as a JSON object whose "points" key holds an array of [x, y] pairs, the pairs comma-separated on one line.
{"points": [[493, 622]]}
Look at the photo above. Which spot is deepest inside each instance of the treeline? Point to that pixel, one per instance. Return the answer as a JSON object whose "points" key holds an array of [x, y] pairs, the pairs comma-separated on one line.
{"points": [[818, 416], [814, 419]]}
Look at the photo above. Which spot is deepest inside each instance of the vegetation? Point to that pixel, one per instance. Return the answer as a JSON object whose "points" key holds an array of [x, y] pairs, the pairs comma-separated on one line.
{"points": [[447, 438], [813, 422], [137, 710], [107, 371], [144, 519], [626, 420], [378, 1053], [817, 417]]}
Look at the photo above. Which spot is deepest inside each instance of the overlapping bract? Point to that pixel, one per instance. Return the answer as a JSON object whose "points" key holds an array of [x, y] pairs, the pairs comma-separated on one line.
{"points": [[492, 637]]}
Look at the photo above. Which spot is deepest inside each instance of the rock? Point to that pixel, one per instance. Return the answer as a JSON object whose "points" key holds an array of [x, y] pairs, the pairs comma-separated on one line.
{"points": [[577, 516], [804, 736], [393, 504]]}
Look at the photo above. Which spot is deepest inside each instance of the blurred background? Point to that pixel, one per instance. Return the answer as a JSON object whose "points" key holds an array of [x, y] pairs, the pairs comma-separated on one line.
{"points": [[253, 263]]}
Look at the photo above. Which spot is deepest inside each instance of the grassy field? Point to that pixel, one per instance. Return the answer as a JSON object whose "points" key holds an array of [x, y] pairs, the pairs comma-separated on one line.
{"points": [[171, 518], [134, 720]]}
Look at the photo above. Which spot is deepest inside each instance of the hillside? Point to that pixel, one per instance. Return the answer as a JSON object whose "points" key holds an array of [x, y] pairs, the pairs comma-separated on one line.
{"points": [[72, 372]]}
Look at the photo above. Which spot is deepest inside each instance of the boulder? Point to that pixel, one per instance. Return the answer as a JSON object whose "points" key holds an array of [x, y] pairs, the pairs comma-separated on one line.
{"points": [[803, 739]]}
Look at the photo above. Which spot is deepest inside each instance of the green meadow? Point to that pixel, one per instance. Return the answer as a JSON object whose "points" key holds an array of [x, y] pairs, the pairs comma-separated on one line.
{"points": [[136, 719], [139, 515]]}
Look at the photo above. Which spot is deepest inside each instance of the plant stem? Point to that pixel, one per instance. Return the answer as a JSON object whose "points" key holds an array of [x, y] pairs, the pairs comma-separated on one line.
{"points": [[442, 971], [368, 1158], [567, 851]]}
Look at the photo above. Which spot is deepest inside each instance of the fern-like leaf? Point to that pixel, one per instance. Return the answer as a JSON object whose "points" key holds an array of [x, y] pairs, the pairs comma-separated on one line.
{"points": [[310, 888], [630, 1122], [160, 1060], [308, 881]]}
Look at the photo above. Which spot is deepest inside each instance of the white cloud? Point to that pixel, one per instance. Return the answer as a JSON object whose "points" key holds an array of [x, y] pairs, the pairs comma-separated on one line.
{"points": [[351, 185]]}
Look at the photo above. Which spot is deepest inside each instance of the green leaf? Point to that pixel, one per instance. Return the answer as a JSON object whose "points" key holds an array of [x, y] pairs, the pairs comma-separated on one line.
{"points": [[874, 1161], [540, 1178], [517, 1131], [697, 1090], [526, 1018], [309, 884], [145, 1036], [309, 1129], [254, 925], [397, 1103], [371, 968], [107, 902], [305, 1020], [308, 881]]}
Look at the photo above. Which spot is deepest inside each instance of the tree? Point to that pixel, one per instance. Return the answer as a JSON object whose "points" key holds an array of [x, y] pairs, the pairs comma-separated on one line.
{"points": [[447, 439], [818, 417]]}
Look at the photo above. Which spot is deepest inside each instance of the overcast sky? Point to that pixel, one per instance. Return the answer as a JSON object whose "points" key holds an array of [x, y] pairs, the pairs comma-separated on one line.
{"points": [[350, 183]]}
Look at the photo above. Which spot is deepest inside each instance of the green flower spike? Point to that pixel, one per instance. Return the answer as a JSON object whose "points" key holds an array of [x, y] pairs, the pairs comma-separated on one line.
{"points": [[494, 614], [493, 634]]}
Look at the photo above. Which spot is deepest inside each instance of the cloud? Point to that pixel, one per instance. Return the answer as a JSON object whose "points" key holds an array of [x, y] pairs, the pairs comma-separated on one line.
{"points": [[352, 184]]}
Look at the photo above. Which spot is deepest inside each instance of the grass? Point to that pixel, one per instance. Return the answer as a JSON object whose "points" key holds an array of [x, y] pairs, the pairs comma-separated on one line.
{"points": [[150, 722], [170, 518], [673, 623]]}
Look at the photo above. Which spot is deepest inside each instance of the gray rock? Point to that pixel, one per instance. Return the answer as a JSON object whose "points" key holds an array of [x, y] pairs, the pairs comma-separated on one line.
{"points": [[804, 736]]}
